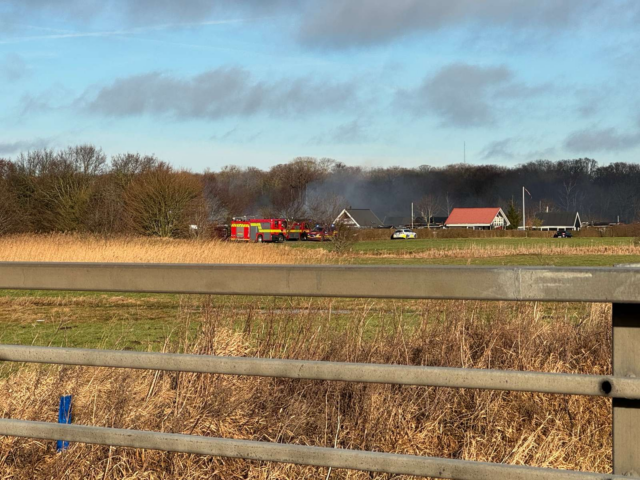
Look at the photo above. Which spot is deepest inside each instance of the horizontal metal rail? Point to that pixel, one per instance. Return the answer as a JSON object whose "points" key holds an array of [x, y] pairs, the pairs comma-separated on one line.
{"points": [[296, 454], [620, 285], [559, 383]]}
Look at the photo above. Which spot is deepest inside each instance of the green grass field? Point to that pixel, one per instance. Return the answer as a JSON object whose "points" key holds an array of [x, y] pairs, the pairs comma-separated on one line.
{"points": [[399, 252], [450, 243], [147, 322], [512, 260]]}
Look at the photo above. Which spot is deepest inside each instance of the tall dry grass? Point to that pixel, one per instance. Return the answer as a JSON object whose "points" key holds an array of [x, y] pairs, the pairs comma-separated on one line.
{"points": [[87, 248], [519, 428], [516, 428]]}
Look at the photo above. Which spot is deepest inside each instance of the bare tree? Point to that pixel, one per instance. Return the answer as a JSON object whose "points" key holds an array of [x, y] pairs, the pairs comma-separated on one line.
{"points": [[323, 208], [214, 213], [428, 206], [239, 190], [85, 159], [9, 209], [568, 195], [162, 202], [65, 200], [130, 164], [289, 183], [53, 189]]}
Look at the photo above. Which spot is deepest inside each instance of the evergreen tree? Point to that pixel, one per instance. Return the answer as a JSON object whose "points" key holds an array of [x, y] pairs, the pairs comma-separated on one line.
{"points": [[514, 216]]}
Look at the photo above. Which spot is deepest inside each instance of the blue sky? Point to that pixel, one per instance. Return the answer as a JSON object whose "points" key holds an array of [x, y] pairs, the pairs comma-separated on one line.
{"points": [[203, 84]]}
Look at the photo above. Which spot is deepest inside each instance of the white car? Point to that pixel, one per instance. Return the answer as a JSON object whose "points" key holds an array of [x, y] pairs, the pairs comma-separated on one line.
{"points": [[403, 234]]}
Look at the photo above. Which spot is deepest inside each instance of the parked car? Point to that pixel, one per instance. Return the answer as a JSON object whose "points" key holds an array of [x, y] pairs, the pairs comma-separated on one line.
{"points": [[562, 234], [404, 234]]}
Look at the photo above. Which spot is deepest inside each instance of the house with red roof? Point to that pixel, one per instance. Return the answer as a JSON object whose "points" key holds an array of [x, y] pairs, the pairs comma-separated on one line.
{"points": [[477, 219]]}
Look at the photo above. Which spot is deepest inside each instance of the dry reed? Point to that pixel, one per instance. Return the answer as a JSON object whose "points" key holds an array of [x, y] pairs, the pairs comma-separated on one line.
{"points": [[83, 248], [517, 428]]}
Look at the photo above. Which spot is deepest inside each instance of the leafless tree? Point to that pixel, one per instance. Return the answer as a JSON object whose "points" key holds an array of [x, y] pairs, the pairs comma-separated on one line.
{"points": [[216, 212], [85, 159], [162, 202], [289, 184], [568, 195], [323, 208], [9, 209], [131, 164], [429, 206]]}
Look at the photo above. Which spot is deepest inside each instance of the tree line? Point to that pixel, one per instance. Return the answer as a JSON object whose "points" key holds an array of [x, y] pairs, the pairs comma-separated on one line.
{"points": [[79, 189]]}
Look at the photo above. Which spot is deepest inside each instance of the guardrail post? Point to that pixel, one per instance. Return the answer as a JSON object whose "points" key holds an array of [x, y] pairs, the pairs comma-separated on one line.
{"points": [[626, 413]]}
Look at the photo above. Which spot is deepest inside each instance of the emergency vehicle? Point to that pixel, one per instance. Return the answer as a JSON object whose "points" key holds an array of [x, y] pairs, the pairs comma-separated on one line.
{"points": [[320, 233], [298, 231], [259, 230]]}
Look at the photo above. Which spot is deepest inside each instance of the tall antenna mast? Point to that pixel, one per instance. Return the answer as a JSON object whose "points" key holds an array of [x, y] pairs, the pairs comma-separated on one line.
{"points": [[464, 150]]}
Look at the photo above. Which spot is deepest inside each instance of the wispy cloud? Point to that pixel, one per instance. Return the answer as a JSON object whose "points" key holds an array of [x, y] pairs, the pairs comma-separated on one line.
{"points": [[500, 149], [520, 149], [602, 140], [463, 95], [13, 67], [352, 132], [356, 23], [11, 147], [220, 93], [237, 135], [339, 24], [117, 33]]}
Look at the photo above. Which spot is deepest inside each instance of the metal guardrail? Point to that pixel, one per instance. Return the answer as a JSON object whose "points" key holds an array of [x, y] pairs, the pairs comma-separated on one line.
{"points": [[621, 286], [555, 284], [512, 380], [297, 454]]}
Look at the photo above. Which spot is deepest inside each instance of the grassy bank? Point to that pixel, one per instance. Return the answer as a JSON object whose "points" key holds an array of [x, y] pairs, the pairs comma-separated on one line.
{"points": [[543, 430]]}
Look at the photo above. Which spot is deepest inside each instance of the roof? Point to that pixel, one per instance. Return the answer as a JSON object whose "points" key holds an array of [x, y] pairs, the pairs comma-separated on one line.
{"points": [[364, 217], [557, 219], [472, 216], [397, 221], [434, 220]]}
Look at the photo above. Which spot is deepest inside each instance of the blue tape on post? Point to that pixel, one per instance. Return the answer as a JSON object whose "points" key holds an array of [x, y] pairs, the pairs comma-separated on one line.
{"points": [[64, 416]]}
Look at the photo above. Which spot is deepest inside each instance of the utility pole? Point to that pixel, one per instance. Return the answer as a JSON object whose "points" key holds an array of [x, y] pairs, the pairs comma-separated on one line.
{"points": [[464, 150], [411, 215], [524, 223]]}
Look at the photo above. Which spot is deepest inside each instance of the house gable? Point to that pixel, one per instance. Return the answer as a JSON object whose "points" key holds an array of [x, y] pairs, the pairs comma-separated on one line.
{"points": [[477, 217], [358, 217]]}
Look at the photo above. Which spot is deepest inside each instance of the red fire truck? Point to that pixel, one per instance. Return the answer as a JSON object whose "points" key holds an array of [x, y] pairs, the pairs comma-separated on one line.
{"points": [[259, 230], [298, 231]]}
